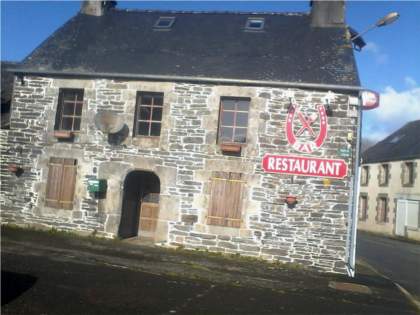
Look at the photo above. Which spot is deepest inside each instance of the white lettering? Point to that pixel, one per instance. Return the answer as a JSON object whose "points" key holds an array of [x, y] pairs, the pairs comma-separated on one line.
{"points": [[271, 163], [312, 167], [330, 167], [337, 168], [321, 168], [305, 163], [297, 166], [278, 162]]}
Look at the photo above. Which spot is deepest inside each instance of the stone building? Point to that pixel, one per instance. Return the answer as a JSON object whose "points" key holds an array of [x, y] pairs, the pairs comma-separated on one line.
{"points": [[389, 201], [191, 129]]}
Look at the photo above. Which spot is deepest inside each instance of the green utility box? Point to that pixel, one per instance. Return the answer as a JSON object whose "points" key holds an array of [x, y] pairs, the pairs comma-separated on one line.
{"points": [[97, 185]]}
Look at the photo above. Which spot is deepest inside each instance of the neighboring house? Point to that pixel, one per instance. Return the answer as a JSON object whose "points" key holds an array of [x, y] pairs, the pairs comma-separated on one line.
{"points": [[389, 200], [191, 129]]}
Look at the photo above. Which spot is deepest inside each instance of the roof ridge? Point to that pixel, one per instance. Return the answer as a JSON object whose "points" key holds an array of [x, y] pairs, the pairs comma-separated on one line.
{"points": [[210, 12]]}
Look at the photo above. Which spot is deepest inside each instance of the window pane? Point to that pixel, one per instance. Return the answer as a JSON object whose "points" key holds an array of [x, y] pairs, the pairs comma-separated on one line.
{"points": [[155, 130], [240, 135], [227, 118], [79, 109], [143, 128], [158, 100], [69, 95], [157, 113], [226, 134], [76, 125], [146, 99], [68, 109], [242, 119], [228, 104], [243, 105], [144, 113], [67, 123]]}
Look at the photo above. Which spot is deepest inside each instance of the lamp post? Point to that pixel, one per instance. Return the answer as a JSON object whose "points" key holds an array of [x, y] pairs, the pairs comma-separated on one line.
{"points": [[371, 100], [386, 20]]}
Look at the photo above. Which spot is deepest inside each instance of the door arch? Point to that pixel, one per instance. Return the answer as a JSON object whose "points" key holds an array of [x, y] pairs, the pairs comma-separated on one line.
{"points": [[139, 187]]}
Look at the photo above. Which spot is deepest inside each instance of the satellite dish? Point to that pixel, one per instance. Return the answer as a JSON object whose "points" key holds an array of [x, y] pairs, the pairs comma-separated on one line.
{"points": [[109, 121]]}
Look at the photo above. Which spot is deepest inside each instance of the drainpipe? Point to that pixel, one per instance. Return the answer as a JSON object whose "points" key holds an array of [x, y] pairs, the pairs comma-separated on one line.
{"points": [[354, 200]]}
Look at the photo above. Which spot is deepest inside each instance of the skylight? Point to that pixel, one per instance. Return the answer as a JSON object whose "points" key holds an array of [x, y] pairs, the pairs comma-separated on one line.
{"points": [[164, 22], [254, 24]]}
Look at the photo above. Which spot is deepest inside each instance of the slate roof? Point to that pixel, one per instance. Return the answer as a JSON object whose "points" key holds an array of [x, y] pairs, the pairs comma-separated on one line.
{"points": [[403, 144], [210, 45]]}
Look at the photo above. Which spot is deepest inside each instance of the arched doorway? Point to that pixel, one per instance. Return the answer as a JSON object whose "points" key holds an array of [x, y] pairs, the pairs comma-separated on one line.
{"points": [[140, 207]]}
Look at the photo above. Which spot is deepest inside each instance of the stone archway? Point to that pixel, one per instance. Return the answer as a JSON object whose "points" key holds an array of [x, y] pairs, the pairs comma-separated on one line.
{"points": [[140, 205]]}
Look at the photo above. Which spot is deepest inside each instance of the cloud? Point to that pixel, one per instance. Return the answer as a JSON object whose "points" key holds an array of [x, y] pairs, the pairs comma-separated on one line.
{"points": [[410, 82], [376, 51], [395, 110]]}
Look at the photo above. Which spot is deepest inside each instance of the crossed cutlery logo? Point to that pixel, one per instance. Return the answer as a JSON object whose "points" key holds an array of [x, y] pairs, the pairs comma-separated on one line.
{"points": [[315, 140]]}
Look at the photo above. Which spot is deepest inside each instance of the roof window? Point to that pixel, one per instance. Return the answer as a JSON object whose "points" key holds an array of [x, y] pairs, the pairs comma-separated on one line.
{"points": [[164, 22], [254, 24]]}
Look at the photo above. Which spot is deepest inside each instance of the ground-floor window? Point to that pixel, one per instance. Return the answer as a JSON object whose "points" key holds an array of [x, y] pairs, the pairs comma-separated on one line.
{"points": [[363, 207], [226, 200], [382, 209], [61, 183]]}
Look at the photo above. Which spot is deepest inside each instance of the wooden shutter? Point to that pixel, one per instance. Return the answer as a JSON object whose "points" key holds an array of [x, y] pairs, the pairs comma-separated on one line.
{"points": [[61, 183], [68, 183], [55, 173], [226, 200]]}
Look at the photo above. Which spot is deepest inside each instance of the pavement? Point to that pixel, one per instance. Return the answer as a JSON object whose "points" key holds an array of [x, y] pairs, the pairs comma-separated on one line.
{"points": [[59, 273], [396, 259]]}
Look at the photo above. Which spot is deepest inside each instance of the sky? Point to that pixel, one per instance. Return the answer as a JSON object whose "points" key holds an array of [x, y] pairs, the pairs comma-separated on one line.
{"points": [[388, 64]]}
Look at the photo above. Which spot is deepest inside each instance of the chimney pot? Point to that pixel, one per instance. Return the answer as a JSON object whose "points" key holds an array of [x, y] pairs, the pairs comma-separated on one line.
{"points": [[327, 13], [96, 8]]}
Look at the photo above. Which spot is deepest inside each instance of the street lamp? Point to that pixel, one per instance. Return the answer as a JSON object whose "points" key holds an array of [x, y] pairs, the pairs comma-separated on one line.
{"points": [[386, 20]]}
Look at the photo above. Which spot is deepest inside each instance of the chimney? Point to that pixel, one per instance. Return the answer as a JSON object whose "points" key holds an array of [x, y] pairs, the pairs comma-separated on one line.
{"points": [[96, 8], [327, 13]]}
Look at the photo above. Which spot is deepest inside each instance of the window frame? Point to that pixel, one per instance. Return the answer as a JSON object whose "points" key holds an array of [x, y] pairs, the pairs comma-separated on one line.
{"points": [[407, 166], [365, 171], [58, 126], [171, 20], [363, 210], [150, 121], [234, 126], [383, 174], [382, 213], [251, 20]]}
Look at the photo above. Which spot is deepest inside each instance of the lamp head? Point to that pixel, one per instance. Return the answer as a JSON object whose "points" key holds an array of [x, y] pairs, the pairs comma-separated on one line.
{"points": [[388, 19]]}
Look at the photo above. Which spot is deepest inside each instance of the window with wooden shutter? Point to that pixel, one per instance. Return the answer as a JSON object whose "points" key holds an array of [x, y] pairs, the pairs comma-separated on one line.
{"points": [[226, 200], [61, 183]]}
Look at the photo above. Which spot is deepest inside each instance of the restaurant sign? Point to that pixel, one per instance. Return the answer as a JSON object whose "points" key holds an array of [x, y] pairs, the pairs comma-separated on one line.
{"points": [[304, 166]]}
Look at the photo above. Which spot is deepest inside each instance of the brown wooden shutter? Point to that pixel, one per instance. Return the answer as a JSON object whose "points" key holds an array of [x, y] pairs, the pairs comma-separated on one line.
{"points": [[68, 183], [61, 183], [55, 173], [226, 200]]}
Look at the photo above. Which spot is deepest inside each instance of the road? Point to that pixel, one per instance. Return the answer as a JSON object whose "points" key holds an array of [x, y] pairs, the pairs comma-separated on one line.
{"points": [[398, 260], [53, 273]]}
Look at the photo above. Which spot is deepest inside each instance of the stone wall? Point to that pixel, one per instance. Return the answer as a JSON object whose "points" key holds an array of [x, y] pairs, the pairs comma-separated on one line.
{"points": [[185, 158]]}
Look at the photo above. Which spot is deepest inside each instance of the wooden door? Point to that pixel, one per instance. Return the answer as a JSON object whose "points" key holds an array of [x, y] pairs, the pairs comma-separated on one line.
{"points": [[149, 214]]}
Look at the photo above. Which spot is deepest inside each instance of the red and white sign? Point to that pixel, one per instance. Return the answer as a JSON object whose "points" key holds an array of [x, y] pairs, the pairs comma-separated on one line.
{"points": [[304, 166], [370, 99], [306, 146]]}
